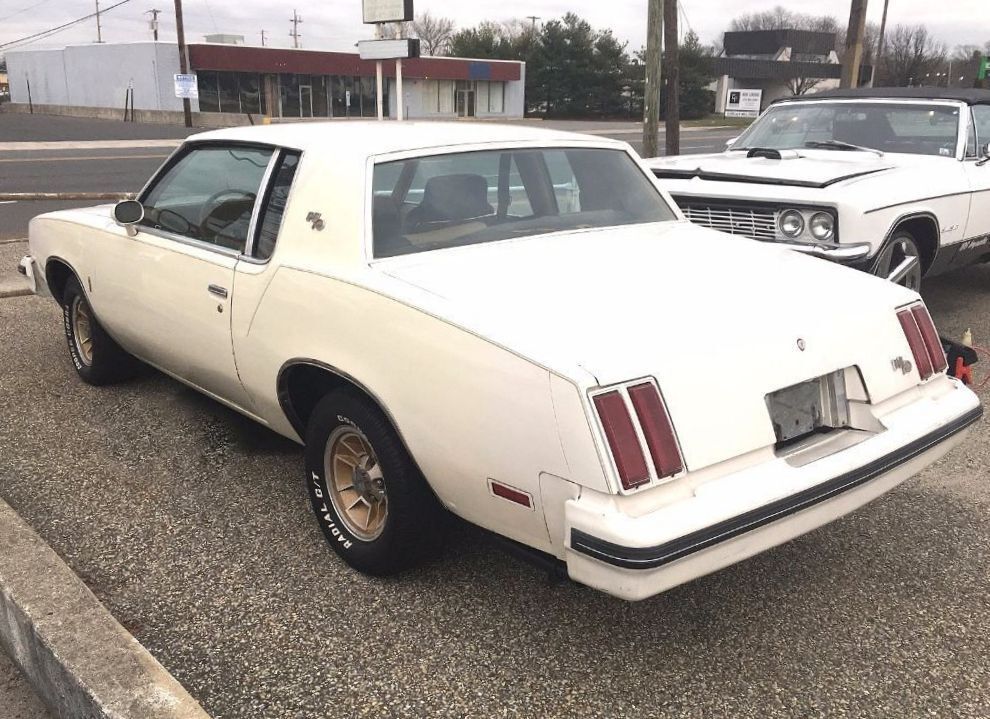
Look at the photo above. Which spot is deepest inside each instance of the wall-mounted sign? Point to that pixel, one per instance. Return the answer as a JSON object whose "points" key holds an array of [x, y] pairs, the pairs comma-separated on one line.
{"points": [[387, 10], [388, 49], [743, 103], [984, 69], [186, 87]]}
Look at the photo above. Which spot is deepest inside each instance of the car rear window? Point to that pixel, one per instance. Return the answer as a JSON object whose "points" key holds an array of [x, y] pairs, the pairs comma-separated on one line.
{"points": [[449, 200]]}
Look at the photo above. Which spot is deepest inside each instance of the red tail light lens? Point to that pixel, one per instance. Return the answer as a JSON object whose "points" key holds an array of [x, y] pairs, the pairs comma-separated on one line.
{"points": [[622, 439], [657, 429], [913, 333], [930, 336]]}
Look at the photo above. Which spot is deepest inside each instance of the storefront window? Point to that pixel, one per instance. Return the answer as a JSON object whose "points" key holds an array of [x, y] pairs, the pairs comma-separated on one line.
{"points": [[344, 99], [288, 87], [209, 99], [496, 97], [230, 100], [250, 87], [321, 98], [368, 96]]}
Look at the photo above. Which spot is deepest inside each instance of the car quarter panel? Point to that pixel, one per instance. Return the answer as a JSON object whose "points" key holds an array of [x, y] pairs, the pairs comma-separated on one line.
{"points": [[468, 411]]}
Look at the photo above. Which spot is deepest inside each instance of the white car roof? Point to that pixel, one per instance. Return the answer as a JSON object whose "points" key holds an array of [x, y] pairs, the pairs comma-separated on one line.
{"points": [[376, 137]]}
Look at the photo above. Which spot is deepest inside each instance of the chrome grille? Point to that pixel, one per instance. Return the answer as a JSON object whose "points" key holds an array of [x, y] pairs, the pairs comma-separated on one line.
{"points": [[760, 223]]}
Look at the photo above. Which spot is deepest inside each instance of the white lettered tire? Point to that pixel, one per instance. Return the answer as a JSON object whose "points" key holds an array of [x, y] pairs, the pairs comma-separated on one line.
{"points": [[372, 503]]}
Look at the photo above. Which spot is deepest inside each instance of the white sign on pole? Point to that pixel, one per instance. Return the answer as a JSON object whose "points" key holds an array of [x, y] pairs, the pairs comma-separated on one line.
{"points": [[743, 103], [387, 10], [186, 87], [388, 49]]}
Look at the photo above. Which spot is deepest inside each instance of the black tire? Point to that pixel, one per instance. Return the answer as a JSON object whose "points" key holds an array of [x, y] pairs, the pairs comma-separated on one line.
{"points": [[413, 524], [106, 362]]}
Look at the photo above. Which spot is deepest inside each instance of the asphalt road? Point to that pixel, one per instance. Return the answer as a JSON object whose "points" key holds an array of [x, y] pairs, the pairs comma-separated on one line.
{"points": [[73, 164], [192, 525]]}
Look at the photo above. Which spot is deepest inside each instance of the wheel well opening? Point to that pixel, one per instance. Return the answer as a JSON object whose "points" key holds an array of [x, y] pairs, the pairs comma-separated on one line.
{"points": [[302, 386], [925, 231], [57, 274]]}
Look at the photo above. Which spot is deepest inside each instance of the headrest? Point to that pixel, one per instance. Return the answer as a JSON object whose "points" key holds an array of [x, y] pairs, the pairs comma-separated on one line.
{"points": [[455, 197]]}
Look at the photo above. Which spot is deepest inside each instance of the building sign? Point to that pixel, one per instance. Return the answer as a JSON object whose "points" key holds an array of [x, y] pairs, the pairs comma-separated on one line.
{"points": [[387, 10], [743, 103], [984, 68], [186, 87], [388, 49]]}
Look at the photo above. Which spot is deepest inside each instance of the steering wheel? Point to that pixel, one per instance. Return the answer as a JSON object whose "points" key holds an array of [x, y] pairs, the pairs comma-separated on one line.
{"points": [[214, 204]]}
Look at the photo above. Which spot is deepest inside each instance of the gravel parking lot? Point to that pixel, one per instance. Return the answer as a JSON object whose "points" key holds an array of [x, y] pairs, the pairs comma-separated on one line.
{"points": [[191, 524]]}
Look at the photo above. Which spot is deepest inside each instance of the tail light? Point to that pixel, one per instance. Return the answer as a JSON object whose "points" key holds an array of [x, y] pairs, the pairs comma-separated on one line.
{"points": [[657, 429], [625, 443], [928, 333], [923, 340], [622, 439]]}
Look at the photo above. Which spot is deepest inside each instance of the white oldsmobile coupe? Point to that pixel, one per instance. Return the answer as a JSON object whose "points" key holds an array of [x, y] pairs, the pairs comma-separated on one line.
{"points": [[894, 181], [512, 324]]}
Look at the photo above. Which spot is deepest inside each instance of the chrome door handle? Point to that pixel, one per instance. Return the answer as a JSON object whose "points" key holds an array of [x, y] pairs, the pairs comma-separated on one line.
{"points": [[218, 291]]}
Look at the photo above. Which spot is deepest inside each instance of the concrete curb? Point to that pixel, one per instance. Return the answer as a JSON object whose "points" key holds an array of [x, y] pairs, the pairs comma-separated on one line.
{"points": [[80, 660], [16, 287]]}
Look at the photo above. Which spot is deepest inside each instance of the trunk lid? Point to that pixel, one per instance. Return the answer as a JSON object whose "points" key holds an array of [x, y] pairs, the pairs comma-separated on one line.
{"points": [[714, 318]]}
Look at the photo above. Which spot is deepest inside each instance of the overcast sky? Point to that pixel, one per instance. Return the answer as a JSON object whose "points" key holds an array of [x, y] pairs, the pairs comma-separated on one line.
{"points": [[336, 24]]}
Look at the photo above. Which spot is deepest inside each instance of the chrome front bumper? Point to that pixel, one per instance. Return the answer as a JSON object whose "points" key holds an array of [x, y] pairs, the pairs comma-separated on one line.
{"points": [[831, 251]]}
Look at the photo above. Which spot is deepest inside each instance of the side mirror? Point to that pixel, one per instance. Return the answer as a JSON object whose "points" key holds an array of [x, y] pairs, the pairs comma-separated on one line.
{"points": [[128, 213], [730, 142]]}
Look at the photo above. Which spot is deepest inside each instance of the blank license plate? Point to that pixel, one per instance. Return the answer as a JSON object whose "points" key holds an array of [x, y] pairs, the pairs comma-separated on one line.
{"points": [[817, 405]]}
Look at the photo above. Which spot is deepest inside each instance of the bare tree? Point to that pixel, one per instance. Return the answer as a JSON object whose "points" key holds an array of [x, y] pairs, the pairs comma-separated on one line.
{"points": [[909, 54], [800, 85], [434, 33]]}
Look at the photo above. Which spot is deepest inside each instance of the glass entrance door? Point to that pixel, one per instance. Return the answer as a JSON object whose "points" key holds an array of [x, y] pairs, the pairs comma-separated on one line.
{"points": [[465, 103], [305, 101]]}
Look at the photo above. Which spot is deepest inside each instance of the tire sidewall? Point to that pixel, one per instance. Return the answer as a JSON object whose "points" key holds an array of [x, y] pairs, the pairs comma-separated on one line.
{"points": [[73, 291], [383, 554]]}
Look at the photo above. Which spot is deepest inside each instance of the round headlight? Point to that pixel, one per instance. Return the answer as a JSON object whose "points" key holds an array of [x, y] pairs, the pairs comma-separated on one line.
{"points": [[822, 226], [791, 223]]}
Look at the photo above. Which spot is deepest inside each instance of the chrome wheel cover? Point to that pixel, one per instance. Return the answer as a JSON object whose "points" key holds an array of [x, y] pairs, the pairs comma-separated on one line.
{"points": [[82, 329], [900, 263], [355, 483]]}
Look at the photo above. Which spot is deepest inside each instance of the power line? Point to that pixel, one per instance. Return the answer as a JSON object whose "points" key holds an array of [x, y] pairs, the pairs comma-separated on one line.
{"points": [[53, 30], [18, 12]]}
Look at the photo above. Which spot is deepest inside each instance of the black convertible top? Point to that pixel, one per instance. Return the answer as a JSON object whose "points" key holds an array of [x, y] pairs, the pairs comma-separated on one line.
{"points": [[970, 96]]}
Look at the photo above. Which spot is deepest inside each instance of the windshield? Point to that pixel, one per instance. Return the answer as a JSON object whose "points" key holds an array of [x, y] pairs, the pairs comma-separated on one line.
{"points": [[430, 203], [908, 128]]}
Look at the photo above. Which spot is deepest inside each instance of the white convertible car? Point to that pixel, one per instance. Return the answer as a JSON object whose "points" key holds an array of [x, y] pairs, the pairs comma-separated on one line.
{"points": [[895, 181], [512, 324]]}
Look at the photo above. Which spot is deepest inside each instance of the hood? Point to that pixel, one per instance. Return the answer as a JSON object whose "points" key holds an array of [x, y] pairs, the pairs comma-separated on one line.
{"points": [[714, 318], [800, 168]]}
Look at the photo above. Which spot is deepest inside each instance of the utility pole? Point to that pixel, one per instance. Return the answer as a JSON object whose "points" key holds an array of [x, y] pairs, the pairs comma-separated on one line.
{"points": [[154, 22], [533, 19], [883, 29], [295, 20], [854, 44], [262, 38], [671, 71], [651, 93], [183, 60], [99, 30]]}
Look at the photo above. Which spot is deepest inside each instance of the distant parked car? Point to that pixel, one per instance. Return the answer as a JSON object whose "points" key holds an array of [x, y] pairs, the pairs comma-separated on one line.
{"points": [[512, 324], [894, 181]]}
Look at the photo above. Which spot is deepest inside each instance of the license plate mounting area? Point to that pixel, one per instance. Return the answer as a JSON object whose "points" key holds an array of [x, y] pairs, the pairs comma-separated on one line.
{"points": [[812, 407]]}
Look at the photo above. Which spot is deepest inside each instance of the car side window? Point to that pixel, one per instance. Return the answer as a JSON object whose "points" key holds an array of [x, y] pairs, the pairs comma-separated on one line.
{"points": [[209, 194], [270, 220], [981, 119]]}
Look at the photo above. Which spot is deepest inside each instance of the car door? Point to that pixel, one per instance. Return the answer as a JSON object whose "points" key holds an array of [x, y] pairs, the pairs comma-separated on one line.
{"points": [[978, 175], [170, 299]]}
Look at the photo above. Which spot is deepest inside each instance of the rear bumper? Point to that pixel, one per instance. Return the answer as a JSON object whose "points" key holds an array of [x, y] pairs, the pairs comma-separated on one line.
{"points": [[742, 514]]}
